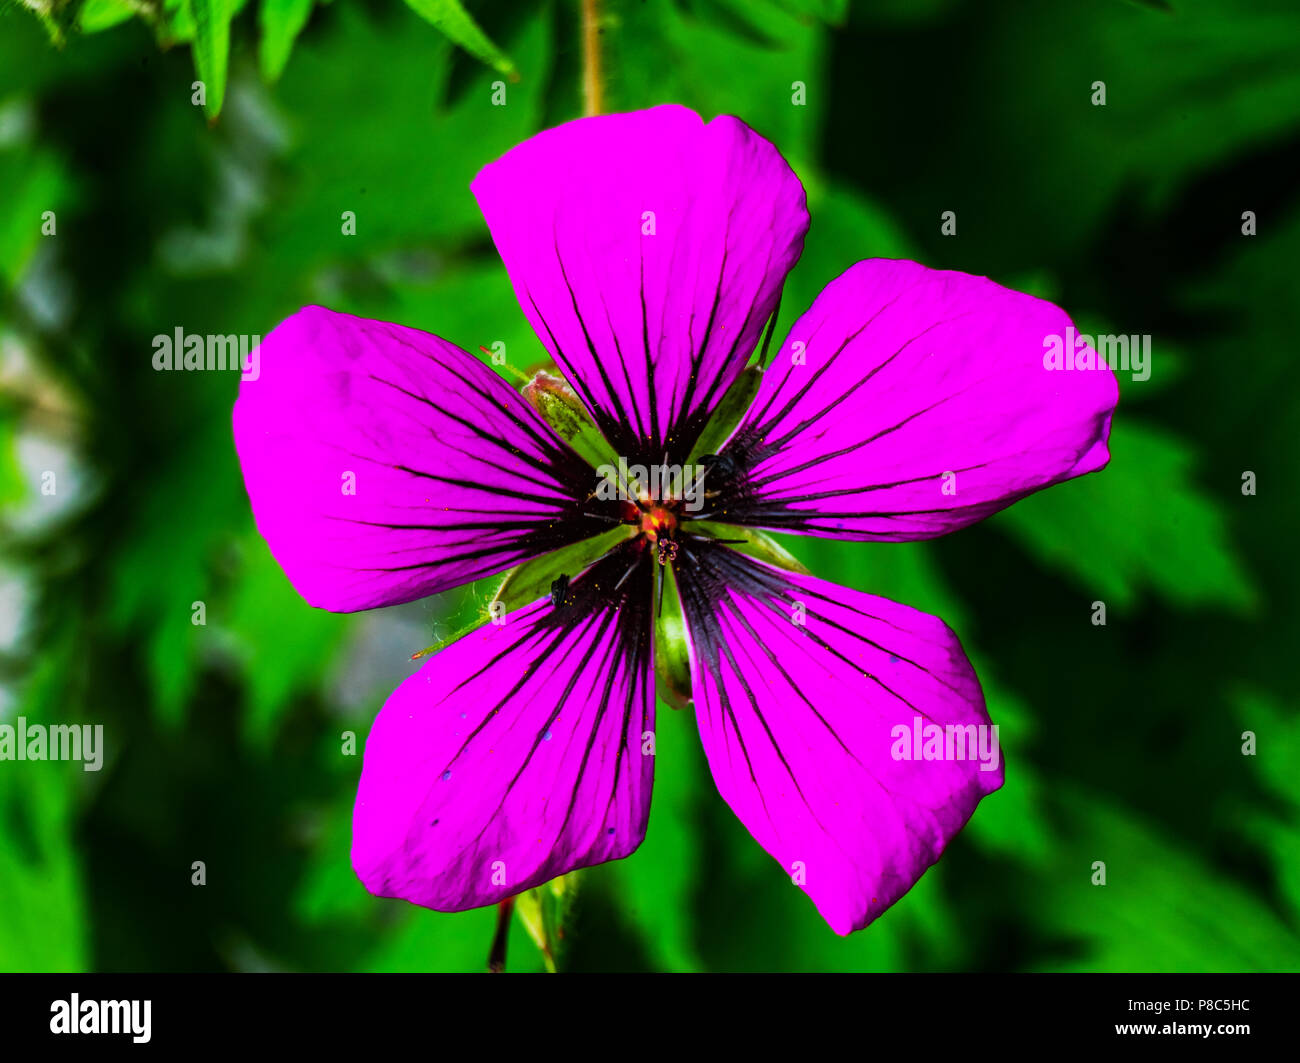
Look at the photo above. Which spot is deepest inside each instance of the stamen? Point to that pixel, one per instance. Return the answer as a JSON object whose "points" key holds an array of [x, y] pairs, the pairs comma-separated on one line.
{"points": [[630, 569]]}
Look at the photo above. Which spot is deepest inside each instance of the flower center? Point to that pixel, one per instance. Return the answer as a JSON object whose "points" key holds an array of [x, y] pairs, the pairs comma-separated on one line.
{"points": [[658, 501], [656, 520]]}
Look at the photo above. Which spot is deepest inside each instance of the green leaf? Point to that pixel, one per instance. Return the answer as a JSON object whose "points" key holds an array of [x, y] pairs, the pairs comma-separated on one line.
{"points": [[1204, 921], [329, 890], [1276, 753], [454, 21], [832, 11], [393, 936], [735, 57], [45, 925], [155, 575], [1183, 94], [342, 159], [281, 21], [1140, 523], [31, 183], [1166, 364], [211, 50], [13, 488], [285, 645], [99, 15], [1012, 821]]}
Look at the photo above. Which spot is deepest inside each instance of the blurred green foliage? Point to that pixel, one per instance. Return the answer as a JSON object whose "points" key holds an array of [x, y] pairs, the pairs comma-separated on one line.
{"points": [[1123, 742]]}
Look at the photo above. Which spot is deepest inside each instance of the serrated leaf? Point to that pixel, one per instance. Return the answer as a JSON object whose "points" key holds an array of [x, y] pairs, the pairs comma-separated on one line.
{"points": [[455, 22], [1276, 752], [734, 57], [1204, 920], [1139, 524]]}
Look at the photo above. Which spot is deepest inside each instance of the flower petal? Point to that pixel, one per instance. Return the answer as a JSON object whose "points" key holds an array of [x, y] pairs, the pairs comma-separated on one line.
{"points": [[648, 251], [921, 404], [515, 754], [384, 464], [800, 726]]}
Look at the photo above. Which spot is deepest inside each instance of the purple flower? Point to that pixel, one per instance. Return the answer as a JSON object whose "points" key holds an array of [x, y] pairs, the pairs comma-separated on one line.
{"points": [[648, 252]]}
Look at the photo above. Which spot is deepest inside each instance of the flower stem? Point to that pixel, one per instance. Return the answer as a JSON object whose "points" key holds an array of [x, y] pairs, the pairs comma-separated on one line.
{"points": [[593, 85], [497, 956]]}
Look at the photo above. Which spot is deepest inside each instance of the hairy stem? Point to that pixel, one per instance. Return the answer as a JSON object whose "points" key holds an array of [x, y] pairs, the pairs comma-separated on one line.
{"points": [[593, 83]]}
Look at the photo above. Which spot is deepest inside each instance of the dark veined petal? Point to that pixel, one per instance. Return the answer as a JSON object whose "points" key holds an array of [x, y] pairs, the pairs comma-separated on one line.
{"points": [[516, 754], [803, 690], [909, 402], [648, 251], [384, 464]]}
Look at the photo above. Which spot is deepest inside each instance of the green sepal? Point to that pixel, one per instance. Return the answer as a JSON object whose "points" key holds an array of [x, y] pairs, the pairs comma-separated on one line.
{"points": [[526, 583], [754, 543], [561, 408], [544, 912], [730, 412], [459, 633], [672, 648]]}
